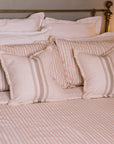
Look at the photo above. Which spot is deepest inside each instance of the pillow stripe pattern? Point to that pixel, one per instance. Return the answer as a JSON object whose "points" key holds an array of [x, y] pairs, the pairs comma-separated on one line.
{"points": [[67, 49], [35, 86], [57, 70], [42, 86], [20, 50]]}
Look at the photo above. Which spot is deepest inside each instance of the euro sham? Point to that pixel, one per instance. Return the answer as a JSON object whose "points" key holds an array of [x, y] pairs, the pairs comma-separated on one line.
{"points": [[30, 24], [72, 31], [97, 20]]}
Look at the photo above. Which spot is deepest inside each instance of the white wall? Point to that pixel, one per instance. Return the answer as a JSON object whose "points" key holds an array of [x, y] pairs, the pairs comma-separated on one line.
{"points": [[54, 4]]}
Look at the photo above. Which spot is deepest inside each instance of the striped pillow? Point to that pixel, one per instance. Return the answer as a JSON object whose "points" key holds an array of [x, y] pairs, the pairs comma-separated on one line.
{"points": [[66, 48], [30, 81], [98, 74], [20, 50], [57, 70]]}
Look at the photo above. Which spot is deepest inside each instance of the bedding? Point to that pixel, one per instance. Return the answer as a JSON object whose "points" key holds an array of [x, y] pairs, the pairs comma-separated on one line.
{"points": [[67, 122], [97, 20], [14, 38], [30, 24], [21, 37], [20, 50], [29, 79], [98, 46], [98, 74], [17, 39]]}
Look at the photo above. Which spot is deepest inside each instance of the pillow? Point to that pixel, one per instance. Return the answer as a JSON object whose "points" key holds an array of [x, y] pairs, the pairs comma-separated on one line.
{"points": [[30, 24], [66, 48], [30, 81], [97, 20], [72, 31], [56, 68], [21, 50], [98, 74]]}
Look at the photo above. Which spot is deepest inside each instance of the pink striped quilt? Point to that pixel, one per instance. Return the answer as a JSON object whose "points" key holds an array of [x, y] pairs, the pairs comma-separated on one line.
{"points": [[67, 122]]}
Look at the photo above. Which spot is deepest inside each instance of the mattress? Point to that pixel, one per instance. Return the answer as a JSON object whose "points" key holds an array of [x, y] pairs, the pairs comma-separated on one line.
{"points": [[67, 122]]}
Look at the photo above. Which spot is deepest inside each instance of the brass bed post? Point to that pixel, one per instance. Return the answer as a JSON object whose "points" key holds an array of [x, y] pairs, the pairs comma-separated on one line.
{"points": [[93, 12], [108, 15]]}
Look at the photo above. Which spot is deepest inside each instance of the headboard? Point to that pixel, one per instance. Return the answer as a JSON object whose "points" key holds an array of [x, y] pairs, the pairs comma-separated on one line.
{"points": [[107, 12]]}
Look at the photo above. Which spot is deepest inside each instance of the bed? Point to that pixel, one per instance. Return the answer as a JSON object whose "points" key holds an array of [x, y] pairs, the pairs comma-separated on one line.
{"points": [[50, 91]]}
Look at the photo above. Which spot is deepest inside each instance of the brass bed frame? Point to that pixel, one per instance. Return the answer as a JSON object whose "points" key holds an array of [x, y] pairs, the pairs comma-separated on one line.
{"points": [[107, 12]]}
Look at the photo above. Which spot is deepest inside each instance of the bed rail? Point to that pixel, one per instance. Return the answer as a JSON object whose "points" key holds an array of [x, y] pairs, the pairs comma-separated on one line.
{"points": [[107, 12]]}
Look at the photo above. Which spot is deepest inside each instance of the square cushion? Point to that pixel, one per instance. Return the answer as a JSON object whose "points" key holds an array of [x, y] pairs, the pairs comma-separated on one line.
{"points": [[98, 74]]}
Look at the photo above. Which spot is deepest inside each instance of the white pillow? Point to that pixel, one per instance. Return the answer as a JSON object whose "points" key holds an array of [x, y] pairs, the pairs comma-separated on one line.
{"points": [[98, 74], [97, 20], [30, 24], [21, 50], [30, 81], [72, 31]]}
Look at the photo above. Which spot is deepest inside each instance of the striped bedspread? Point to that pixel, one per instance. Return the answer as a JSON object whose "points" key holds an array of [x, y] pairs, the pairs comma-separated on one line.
{"points": [[69, 122]]}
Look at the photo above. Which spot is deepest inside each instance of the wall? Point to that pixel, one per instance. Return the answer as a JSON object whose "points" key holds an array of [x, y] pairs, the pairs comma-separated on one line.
{"points": [[53, 4]]}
